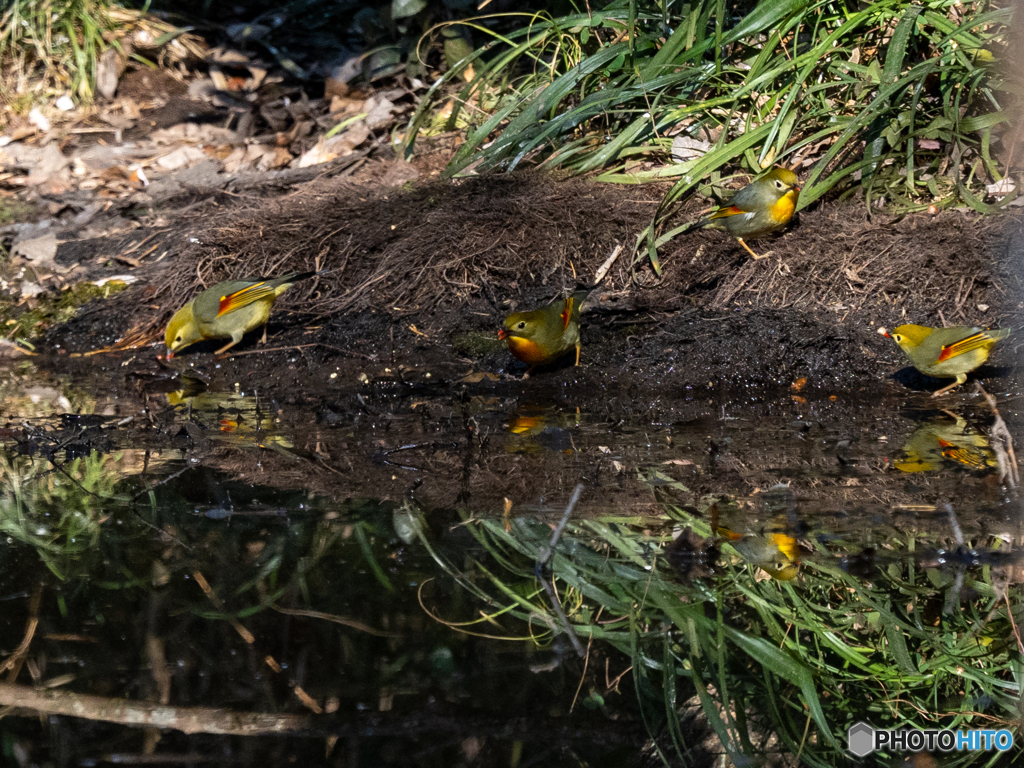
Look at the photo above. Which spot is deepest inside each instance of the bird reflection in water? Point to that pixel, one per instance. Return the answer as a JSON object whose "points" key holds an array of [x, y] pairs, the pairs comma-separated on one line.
{"points": [[539, 428], [944, 441]]}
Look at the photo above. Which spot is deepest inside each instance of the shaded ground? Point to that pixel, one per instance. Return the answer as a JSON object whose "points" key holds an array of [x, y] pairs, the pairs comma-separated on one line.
{"points": [[423, 275]]}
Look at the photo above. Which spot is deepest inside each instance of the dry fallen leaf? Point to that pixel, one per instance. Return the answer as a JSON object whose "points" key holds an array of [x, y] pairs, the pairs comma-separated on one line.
{"points": [[679, 462], [476, 378], [799, 384]]}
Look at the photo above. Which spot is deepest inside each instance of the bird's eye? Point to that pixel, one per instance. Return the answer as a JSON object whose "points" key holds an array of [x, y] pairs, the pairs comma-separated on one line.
{"points": [[778, 184], [897, 338], [521, 325], [177, 339]]}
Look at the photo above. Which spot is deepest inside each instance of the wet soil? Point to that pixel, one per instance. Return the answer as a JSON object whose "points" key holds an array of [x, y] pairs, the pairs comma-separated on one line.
{"points": [[851, 459]]}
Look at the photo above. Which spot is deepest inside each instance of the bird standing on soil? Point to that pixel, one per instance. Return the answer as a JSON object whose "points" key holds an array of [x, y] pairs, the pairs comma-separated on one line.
{"points": [[764, 206], [541, 336], [946, 352], [228, 310]]}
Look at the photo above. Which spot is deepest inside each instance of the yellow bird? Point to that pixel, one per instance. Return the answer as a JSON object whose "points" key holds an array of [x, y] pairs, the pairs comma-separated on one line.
{"points": [[541, 336], [228, 310], [946, 352], [776, 554], [765, 205]]}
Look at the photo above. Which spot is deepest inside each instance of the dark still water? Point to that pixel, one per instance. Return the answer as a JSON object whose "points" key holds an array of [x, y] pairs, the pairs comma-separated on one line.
{"points": [[381, 577]]}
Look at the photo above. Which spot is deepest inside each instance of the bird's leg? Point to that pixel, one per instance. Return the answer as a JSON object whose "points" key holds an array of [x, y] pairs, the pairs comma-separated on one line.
{"points": [[528, 372], [960, 379], [740, 241], [264, 339], [228, 346], [577, 354]]}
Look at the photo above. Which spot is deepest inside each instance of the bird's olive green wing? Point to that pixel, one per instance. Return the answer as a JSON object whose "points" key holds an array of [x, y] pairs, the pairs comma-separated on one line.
{"points": [[229, 302], [978, 340], [753, 197], [207, 304]]}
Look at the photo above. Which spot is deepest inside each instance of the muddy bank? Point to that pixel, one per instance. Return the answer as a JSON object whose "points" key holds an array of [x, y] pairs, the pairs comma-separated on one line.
{"points": [[852, 461], [424, 273]]}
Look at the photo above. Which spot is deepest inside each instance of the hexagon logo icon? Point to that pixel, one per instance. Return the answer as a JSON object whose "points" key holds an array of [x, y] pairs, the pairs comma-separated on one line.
{"points": [[860, 739]]}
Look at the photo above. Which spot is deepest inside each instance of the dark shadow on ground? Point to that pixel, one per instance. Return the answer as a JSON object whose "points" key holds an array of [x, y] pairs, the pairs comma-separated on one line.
{"points": [[912, 379]]}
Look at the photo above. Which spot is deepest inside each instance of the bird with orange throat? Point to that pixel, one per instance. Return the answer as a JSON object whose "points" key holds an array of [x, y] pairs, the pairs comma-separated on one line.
{"points": [[765, 205], [541, 336]]}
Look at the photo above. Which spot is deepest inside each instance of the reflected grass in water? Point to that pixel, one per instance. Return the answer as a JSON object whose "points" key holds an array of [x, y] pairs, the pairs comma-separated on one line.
{"points": [[914, 635], [58, 510]]}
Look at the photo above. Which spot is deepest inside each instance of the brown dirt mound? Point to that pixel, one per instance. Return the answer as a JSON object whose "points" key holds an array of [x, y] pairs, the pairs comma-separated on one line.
{"points": [[413, 248], [838, 258], [417, 267]]}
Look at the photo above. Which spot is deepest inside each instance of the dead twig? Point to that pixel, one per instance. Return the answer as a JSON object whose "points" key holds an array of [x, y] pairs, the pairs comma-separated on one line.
{"points": [[1002, 443], [18, 657], [262, 351], [603, 269], [250, 639], [118, 710], [545, 555]]}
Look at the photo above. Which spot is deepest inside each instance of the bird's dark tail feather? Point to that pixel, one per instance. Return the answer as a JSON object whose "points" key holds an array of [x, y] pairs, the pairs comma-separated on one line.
{"points": [[581, 291], [294, 277], [698, 224]]}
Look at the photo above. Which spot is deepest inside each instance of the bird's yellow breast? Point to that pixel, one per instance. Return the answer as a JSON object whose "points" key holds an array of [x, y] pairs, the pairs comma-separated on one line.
{"points": [[784, 208]]}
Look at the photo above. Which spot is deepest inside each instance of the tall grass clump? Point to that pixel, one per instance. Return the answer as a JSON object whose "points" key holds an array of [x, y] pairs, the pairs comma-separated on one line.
{"points": [[775, 664], [56, 46], [54, 43], [900, 100]]}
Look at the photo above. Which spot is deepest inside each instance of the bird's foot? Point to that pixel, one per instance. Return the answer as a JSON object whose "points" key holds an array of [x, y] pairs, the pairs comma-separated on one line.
{"points": [[764, 255], [748, 248], [961, 379]]}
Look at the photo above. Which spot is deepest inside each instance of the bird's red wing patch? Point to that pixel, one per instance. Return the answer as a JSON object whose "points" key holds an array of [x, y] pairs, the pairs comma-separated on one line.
{"points": [[729, 210], [567, 313], [965, 345], [244, 298]]}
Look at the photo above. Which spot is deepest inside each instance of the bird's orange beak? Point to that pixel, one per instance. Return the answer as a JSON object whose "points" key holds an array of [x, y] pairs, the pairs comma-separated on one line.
{"points": [[502, 334], [796, 188], [170, 354], [886, 334]]}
